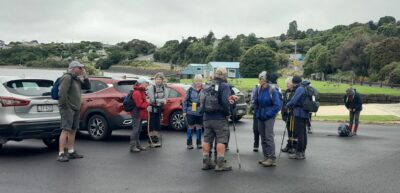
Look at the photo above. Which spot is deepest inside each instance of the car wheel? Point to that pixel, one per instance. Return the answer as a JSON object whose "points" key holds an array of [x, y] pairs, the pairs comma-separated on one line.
{"points": [[98, 127], [177, 121], [52, 142]]}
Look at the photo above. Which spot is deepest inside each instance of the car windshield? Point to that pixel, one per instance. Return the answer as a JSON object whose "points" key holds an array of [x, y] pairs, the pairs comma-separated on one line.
{"points": [[27, 87], [235, 90], [186, 87], [125, 86]]}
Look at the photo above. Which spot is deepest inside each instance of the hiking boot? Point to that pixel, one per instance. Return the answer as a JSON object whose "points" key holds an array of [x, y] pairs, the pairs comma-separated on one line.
{"points": [[255, 149], [269, 162], [140, 147], [190, 146], [207, 164], [222, 165], [155, 145], [198, 144], [74, 155], [62, 157], [133, 147], [354, 133], [293, 155], [263, 160], [286, 149], [292, 150], [301, 156]]}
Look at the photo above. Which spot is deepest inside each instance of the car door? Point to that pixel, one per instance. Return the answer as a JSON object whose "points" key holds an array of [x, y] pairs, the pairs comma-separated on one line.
{"points": [[94, 98]]}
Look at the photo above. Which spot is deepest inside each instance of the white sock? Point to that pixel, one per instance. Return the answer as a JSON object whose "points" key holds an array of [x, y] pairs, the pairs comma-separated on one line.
{"points": [[61, 152], [71, 151]]}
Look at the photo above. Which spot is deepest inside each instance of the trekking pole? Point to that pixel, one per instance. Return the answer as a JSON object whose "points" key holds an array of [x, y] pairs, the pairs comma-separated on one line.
{"points": [[148, 129], [237, 147], [292, 129], [283, 138]]}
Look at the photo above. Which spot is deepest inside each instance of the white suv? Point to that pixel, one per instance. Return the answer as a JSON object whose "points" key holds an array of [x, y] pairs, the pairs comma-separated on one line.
{"points": [[27, 111]]}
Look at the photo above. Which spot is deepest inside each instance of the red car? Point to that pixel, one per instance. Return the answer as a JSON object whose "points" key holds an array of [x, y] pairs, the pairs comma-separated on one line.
{"points": [[101, 107], [172, 115]]}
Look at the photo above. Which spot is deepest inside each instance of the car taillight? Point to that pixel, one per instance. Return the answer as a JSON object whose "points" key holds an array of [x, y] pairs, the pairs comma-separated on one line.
{"points": [[10, 101]]}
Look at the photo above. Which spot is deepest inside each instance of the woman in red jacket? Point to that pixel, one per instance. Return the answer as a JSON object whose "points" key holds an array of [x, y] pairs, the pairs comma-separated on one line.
{"points": [[139, 113]]}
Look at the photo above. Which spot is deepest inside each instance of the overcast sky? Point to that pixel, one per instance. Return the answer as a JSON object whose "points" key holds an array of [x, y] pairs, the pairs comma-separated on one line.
{"points": [[157, 21]]}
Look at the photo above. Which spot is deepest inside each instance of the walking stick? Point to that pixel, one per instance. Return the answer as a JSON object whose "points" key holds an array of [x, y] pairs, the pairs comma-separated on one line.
{"points": [[148, 129], [236, 142], [283, 138]]}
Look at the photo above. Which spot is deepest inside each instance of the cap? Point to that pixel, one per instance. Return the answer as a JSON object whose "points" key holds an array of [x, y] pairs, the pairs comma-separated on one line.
{"points": [[75, 64], [263, 76], [142, 80]]}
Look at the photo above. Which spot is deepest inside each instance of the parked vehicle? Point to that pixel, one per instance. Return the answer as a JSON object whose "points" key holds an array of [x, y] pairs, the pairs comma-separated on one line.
{"points": [[102, 110], [28, 111], [241, 105]]}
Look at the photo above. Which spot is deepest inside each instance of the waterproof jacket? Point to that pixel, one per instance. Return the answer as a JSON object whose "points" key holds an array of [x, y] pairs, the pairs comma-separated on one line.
{"points": [[157, 95], [287, 95], [296, 103], [139, 96], [266, 107], [192, 96], [70, 91], [353, 101], [224, 93]]}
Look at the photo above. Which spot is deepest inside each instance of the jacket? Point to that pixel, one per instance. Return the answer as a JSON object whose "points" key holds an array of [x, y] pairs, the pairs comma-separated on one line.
{"points": [[353, 101], [296, 103], [287, 95], [157, 95], [192, 95], [70, 91], [139, 96], [266, 107]]}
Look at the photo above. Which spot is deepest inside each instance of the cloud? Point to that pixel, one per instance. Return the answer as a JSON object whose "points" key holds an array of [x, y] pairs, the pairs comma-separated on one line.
{"points": [[160, 20]]}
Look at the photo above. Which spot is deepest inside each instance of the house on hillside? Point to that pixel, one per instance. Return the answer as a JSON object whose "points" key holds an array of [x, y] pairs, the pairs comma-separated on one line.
{"points": [[231, 67]]}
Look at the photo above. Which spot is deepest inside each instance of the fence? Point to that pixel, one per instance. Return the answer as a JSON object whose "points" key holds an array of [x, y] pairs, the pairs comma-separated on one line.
{"points": [[372, 98], [362, 83]]}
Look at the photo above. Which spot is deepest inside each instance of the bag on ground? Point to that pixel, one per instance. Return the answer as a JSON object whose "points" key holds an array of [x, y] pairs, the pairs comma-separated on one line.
{"points": [[344, 130]]}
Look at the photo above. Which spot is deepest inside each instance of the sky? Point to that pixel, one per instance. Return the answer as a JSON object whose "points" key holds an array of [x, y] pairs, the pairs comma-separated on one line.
{"points": [[157, 21]]}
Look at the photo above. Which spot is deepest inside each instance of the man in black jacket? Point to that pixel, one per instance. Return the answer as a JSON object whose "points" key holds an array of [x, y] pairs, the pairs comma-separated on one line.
{"points": [[353, 103]]}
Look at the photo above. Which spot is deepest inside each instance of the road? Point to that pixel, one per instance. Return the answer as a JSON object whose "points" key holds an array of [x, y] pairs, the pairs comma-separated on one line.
{"points": [[368, 162]]}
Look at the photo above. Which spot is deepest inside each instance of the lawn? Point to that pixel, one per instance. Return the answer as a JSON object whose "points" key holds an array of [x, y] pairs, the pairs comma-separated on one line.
{"points": [[246, 84]]}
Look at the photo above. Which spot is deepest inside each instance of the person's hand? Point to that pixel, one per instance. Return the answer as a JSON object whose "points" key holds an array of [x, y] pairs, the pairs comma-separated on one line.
{"points": [[184, 114], [231, 101], [354, 110]]}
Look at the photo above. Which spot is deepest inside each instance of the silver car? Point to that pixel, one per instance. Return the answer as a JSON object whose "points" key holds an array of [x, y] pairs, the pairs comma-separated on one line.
{"points": [[27, 111]]}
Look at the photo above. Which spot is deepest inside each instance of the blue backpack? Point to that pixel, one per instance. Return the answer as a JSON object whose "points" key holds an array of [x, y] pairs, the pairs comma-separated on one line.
{"points": [[344, 130], [55, 88], [129, 104]]}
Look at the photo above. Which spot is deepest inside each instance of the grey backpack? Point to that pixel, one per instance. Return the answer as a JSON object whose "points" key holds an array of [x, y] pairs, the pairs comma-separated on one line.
{"points": [[212, 99]]}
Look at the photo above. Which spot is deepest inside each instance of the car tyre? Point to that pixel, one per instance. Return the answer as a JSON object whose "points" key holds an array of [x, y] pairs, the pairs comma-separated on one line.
{"points": [[177, 121], [98, 128], [51, 142]]}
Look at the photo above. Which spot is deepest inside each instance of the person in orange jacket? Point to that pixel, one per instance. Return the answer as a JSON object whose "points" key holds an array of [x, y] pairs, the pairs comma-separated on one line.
{"points": [[139, 113]]}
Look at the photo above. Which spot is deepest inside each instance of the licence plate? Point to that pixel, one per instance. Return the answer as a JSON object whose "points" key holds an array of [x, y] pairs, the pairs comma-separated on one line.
{"points": [[45, 108]]}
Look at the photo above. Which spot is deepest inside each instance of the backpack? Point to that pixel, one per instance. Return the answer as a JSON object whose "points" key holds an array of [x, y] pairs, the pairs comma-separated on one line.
{"points": [[344, 130], [129, 104], [212, 99], [310, 99], [56, 88]]}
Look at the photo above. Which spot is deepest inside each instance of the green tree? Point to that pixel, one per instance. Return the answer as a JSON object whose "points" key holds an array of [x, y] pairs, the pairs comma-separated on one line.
{"points": [[257, 59], [197, 52], [394, 76], [383, 52], [389, 30], [317, 60], [250, 41], [227, 51], [292, 31], [385, 20], [209, 39], [385, 72]]}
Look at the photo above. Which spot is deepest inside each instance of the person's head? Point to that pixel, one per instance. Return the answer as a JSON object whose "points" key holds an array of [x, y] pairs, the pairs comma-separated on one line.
{"points": [[220, 73], [289, 83], [142, 83], [273, 77], [159, 78], [262, 78], [350, 91], [76, 68], [198, 80], [296, 80]]}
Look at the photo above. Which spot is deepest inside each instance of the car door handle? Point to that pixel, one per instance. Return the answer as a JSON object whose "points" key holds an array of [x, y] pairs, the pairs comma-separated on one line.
{"points": [[89, 100]]}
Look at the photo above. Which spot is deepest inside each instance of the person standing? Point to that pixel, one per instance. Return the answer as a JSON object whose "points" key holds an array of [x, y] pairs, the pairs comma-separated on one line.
{"points": [[286, 117], [353, 103], [215, 105], [157, 94], [69, 103], [300, 118], [256, 134], [267, 105], [139, 114], [191, 110]]}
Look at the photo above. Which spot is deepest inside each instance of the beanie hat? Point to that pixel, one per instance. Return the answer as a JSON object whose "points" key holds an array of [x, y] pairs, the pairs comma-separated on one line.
{"points": [[263, 76], [296, 80]]}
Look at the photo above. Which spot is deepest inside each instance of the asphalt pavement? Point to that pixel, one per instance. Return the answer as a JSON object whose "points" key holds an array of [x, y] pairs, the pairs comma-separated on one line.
{"points": [[369, 162]]}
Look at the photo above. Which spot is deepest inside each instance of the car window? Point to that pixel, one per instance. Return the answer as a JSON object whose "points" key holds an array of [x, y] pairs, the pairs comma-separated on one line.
{"points": [[29, 87], [173, 93], [125, 86], [96, 85]]}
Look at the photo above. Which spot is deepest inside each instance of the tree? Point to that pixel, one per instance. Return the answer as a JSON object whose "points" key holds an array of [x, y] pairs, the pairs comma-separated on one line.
{"points": [[197, 52], [395, 76], [166, 53], [383, 52], [282, 60], [227, 50], [385, 72], [257, 59], [317, 60], [209, 39], [389, 30], [292, 31], [385, 20], [250, 41]]}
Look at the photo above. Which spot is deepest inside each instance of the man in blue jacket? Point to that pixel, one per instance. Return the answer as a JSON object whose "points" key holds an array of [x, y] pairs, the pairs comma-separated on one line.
{"points": [[267, 104], [300, 118]]}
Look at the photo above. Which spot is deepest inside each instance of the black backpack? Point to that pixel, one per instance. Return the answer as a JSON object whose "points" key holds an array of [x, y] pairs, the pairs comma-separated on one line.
{"points": [[212, 99], [129, 103], [310, 99]]}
